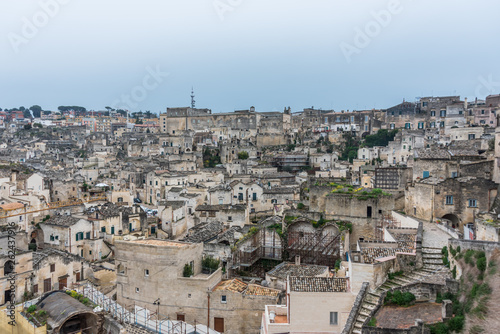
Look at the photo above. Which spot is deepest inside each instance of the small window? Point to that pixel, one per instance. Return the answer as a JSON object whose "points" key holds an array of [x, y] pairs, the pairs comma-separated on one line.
{"points": [[449, 200], [146, 272], [52, 267], [136, 290], [229, 218], [35, 288], [223, 299], [334, 318], [472, 203]]}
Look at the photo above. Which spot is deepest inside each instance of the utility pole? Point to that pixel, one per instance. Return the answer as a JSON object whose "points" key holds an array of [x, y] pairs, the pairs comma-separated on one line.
{"points": [[157, 303]]}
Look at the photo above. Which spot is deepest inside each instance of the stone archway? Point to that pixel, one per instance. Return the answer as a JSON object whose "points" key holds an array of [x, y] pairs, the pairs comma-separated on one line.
{"points": [[455, 221]]}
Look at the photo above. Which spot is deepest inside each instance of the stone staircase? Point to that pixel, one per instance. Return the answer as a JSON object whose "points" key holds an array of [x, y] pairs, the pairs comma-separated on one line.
{"points": [[433, 263]]}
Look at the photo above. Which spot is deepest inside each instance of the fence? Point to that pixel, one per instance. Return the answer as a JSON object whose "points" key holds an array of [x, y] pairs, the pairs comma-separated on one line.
{"points": [[142, 316]]}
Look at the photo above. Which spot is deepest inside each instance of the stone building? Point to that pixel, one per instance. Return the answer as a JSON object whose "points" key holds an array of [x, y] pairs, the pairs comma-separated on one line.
{"points": [[457, 200], [314, 304], [153, 270]]}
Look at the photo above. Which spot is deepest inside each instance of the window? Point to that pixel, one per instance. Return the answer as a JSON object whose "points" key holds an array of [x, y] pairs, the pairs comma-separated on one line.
{"points": [[433, 113], [334, 317], [223, 299], [52, 267], [103, 229], [449, 200], [254, 196], [146, 272], [136, 290], [51, 238], [454, 174], [472, 136], [426, 174], [229, 218], [35, 288], [392, 126], [90, 252], [442, 113], [472, 203], [87, 235]]}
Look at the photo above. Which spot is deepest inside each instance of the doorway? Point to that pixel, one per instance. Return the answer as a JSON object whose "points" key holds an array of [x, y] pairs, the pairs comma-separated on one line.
{"points": [[369, 211], [181, 317], [219, 324]]}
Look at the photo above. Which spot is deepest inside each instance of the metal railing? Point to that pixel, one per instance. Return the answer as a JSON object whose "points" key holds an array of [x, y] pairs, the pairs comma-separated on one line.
{"points": [[140, 316]]}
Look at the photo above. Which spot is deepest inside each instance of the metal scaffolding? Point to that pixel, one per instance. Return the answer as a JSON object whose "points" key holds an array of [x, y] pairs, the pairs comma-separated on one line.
{"points": [[315, 247]]}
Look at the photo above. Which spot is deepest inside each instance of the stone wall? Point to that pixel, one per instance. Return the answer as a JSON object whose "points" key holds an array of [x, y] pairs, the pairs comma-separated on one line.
{"points": [[419, 328], [477, 245], [355, 308]]}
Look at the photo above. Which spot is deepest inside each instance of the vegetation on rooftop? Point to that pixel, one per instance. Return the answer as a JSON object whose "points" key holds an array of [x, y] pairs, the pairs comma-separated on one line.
{"points": [[399, 298]]}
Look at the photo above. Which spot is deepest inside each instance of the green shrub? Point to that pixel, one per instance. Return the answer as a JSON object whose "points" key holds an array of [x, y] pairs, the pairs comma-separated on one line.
{"points": [[479, 254], [399, 298], [454, 272], [188, 271], [31, 309], [440, 328], [210, 262], [481, 264], [300, 206], [456, 323], [372, 322]]}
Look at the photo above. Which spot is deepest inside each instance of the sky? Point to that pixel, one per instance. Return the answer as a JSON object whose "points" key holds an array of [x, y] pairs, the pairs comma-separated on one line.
{"points": [[271, 54]]}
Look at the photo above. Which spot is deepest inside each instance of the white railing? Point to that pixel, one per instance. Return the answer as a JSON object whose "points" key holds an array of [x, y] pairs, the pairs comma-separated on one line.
{"points": [[141, 316]]}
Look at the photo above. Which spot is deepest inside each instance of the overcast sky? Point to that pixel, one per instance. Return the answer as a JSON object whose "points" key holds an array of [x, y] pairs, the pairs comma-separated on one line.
{"points": [[239, 53]]}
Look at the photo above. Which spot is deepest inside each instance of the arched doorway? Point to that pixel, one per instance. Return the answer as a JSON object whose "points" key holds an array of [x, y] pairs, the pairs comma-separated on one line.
{"points": [[455, 222]]}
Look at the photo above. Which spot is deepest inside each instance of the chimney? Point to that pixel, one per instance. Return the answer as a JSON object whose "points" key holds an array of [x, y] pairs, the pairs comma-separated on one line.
{"points": [[465, 103], [13, 176], [297, 260]]}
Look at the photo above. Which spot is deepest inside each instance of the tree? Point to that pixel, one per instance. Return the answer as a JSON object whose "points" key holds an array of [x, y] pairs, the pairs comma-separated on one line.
{"points": [[47, 112], [122, 112], [27, 127], [243, 155], [38, 125], [37, 110]]}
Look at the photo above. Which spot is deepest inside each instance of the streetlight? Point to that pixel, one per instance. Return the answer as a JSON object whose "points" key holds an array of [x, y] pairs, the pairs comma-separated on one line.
{"points": [[157, 303]]}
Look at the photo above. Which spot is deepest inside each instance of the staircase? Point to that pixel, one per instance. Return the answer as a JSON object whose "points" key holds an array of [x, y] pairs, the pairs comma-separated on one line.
{"points": [[433, 263]]}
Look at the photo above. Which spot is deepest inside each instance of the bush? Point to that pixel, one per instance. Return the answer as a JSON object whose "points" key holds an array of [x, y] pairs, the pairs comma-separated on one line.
{"points": [[481, 264], [210, 262], [456, 324], [454, 272], [188, 271], [399, 298], [31, 309], [243, 155], [300, 206]]}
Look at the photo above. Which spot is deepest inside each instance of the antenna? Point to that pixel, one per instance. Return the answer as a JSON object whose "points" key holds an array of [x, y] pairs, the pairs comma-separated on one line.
{"points": [[192, 98]]}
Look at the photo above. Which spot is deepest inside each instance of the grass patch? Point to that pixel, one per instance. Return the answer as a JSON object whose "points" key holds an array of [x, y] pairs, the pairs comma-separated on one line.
{"points": [[372, 322]]}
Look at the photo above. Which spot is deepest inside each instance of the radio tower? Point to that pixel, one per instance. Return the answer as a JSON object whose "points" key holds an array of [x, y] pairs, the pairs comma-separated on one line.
{"points": [[192, 98]]}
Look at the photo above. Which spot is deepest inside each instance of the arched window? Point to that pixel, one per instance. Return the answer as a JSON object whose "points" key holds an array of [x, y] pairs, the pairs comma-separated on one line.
{"points": [[8, 268]]}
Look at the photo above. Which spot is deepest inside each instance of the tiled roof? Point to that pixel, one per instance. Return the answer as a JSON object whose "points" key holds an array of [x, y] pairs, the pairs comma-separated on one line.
{"points": [[285, 269], [318, 284], [204, 232], [62, 221], [234, 285], [258, 290]]}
